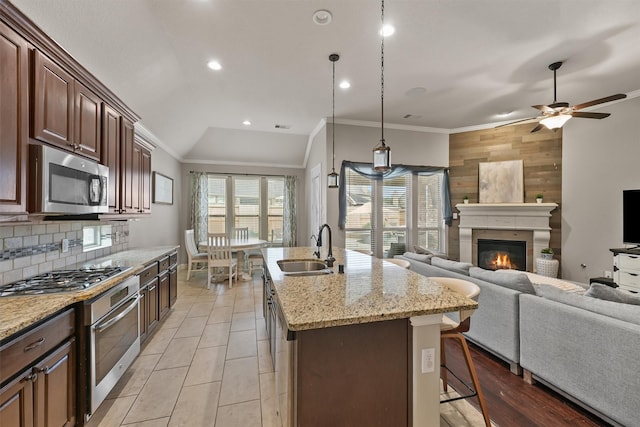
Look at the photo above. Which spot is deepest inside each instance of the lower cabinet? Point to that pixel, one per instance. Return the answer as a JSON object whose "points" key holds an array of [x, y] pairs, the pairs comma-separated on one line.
{"points": [[43, 393], [158, 293]]}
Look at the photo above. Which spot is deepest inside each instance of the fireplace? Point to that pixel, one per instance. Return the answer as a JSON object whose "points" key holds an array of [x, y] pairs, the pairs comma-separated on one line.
{"points": [[496, 254]]}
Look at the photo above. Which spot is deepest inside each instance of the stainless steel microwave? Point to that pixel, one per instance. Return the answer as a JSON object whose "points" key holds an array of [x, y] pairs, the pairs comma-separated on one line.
{"points": [[63, 183]]}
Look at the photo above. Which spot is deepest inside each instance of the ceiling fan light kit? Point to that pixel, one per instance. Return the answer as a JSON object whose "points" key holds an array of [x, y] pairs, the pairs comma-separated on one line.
{"points": [[382, 153], [332, 178], [555, 115]]}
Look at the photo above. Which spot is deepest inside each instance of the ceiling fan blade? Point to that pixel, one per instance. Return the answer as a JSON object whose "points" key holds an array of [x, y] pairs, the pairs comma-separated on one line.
{"points": [[585, 115], [517, 121], [537, 128], [544, 108], [600, 101]]}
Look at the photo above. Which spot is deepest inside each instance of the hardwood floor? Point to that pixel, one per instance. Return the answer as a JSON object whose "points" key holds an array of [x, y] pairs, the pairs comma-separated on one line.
{"points": [[511, 401]]}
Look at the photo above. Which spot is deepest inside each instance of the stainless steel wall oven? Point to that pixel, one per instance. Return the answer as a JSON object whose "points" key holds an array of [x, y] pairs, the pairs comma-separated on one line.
{"points": [[112, 322]]}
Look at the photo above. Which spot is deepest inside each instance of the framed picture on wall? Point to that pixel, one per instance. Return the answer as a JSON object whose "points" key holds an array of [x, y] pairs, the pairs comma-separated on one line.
{"points": [[501, 182], [162, 189]]}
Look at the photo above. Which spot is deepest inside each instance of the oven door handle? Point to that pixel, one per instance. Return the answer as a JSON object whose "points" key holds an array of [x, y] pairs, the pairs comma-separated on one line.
{"points": [[111, 322]]}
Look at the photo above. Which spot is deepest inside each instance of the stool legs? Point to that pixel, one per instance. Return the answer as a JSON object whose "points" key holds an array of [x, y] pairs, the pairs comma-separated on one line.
{"points": [[470, 367]]}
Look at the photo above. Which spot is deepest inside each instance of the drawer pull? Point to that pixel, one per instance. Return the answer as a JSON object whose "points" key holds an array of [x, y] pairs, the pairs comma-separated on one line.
{"points": [[34, 344], [632, 274]]}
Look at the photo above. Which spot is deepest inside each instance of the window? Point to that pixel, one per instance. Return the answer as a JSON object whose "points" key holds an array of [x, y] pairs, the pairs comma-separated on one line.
{"points": [[359, 223], [430, 211], [398, 212], [217, 204], [255, 202]]}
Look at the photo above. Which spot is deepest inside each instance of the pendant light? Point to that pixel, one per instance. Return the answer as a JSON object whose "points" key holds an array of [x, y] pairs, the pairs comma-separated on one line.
{"points": [[382, 153], [332, 178]]}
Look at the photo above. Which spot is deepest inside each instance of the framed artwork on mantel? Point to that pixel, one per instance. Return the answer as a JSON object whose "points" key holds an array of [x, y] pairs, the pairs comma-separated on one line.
{"points": [[162, 189], [501, 182]]}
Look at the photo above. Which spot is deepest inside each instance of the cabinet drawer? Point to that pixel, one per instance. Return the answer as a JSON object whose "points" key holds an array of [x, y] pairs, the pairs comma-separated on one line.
{"points": [[628, 262], [24, 350], [164, 263], [173, 259], [628, 278], [148, 273]]}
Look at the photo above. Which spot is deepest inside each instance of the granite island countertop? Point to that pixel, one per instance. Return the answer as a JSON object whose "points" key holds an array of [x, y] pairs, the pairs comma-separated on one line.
{"points": [[19, 312], [369, 290]]}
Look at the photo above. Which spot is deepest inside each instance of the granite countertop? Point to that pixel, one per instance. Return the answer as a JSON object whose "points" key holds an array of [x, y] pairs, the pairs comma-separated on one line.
{"points": [[370, 290], [19, 312]]}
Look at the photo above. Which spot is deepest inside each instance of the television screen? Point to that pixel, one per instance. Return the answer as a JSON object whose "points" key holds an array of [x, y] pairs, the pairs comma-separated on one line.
{"points": [[631, 217]]}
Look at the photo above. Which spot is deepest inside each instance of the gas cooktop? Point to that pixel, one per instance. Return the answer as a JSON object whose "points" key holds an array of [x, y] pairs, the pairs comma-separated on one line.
{"points": [[60, 281]]}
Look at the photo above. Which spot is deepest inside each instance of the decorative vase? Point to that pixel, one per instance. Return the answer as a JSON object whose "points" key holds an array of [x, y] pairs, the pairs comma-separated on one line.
{"points": [[466, 201], [546, 256], [539, 200]]}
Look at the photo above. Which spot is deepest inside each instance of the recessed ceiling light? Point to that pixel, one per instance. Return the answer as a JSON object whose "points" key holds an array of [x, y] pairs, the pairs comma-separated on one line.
{"points": [[247, 122], [345, 84], [214, 65], [416, 91], [322, 17], [387, 30]]}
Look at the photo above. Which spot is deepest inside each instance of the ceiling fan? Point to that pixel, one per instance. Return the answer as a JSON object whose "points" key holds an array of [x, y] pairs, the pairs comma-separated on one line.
{"points": [[555, 115]]}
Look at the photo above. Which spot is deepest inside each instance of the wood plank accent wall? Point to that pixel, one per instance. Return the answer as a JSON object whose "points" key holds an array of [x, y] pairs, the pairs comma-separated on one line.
{"points": [[541, 153]]}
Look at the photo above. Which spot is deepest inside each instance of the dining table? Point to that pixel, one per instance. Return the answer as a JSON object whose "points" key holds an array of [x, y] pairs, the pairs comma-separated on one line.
{"points": [[240, 246]]}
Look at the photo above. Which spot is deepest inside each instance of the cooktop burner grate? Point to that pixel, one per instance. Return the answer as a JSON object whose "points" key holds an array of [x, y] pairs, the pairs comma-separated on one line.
{"points": [[59, 281]]}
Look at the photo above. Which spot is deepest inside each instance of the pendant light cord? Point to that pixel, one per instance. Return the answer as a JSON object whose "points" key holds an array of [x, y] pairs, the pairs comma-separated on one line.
{"points": [[333, 118], [382, 76]]}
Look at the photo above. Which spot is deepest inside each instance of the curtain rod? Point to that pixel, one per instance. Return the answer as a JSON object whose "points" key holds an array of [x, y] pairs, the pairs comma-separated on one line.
{"points": [[239, 174]]}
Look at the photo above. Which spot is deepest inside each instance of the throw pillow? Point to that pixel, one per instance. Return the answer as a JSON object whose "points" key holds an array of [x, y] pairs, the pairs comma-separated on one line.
{"points": [[506, 278], [598, 290], [455, 266], [418, 257]]}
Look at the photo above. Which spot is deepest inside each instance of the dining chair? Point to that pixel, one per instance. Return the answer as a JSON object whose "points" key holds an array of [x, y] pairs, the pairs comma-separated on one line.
{"points": [[194, 256], [240, 233], [450, 329], [219, 257]]}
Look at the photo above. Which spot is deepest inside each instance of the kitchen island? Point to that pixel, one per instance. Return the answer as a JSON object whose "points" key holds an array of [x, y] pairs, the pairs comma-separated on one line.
{"points": [[348, 346]]}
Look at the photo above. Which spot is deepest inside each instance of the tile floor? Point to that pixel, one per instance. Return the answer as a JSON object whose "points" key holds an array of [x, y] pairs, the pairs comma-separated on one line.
{"points": [[208, 364]]}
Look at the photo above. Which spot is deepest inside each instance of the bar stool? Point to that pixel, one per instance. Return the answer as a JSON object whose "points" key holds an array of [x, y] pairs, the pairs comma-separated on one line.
{"points": [[452, 329]]}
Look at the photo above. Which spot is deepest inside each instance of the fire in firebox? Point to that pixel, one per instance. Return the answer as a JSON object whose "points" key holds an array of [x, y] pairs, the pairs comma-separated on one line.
{"points": [[502, 261]]}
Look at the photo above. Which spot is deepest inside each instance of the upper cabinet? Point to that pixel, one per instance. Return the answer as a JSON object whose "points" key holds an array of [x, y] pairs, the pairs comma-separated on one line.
{"points": [[14, 120], [111, 153], [65, 112]]}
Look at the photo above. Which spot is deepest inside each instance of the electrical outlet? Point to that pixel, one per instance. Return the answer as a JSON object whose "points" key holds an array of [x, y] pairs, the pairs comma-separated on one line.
{"points": [[455, 215], [428, 360], [65, 245], [608, 274]]}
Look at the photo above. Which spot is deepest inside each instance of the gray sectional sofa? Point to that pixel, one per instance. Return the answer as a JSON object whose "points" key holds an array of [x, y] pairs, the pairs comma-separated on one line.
{"points": [[585, 348]]}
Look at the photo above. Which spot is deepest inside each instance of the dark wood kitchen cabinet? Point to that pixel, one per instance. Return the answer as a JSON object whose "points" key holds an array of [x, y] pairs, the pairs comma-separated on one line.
{"points": [[111, 153], [135, 188], [149, 311], [37, 375], [163, 296], [65, 112], [14, 120]]}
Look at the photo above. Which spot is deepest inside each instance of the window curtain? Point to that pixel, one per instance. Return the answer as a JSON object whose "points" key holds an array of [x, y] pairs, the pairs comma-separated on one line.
{"points": [[199, 205], [289, 227], [366, 170]]}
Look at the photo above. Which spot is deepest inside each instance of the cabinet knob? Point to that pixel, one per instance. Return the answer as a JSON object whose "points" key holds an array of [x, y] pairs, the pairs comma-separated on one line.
{"points": [[31, 377]]}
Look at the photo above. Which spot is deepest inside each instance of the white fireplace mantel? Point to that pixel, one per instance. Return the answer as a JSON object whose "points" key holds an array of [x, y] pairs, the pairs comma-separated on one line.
{"points": [[504, 216]]}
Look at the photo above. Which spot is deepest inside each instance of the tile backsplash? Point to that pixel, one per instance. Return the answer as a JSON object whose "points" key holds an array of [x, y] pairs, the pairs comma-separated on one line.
{"points": [[30, 249]]}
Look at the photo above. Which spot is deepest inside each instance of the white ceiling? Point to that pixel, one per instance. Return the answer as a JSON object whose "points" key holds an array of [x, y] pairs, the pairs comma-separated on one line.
{"points": [[475, 59]]}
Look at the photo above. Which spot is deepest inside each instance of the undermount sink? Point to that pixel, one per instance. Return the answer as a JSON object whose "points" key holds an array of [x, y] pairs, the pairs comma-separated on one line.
{"points": [[303, 267]]}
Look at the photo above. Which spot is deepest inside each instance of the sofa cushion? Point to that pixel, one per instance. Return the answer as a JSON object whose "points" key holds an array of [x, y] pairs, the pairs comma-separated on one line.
{"points": [[455, 266], [604, 292], [424, 251], [564, 285], [418, 257], [625, 312], [511, 279]]}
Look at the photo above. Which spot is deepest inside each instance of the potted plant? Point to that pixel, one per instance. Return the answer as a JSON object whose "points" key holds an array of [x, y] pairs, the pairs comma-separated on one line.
{"points": [[465, 199], [539, 198], [546, 253]]}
